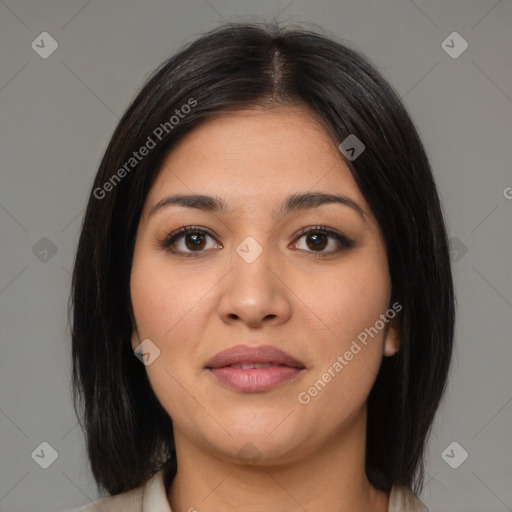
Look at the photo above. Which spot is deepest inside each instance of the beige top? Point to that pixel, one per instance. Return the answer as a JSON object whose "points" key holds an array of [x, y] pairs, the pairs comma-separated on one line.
{"points": [[151, 497]]}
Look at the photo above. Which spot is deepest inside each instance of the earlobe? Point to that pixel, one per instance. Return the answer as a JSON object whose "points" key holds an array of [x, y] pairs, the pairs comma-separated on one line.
{"points": [[135, 339], [390, 350], [392, 338]]}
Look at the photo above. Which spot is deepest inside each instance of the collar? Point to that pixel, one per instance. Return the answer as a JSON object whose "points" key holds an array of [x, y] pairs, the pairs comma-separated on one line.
{"points": [[154, 498]]}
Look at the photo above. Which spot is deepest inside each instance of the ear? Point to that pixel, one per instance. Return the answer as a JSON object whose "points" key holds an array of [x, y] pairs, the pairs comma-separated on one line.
{"points": [[135, 339], [392, 338]]}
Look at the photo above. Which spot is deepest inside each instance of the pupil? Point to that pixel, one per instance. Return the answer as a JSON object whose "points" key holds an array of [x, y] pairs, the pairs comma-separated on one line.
{"points": [[196, 242], [317, 244]]}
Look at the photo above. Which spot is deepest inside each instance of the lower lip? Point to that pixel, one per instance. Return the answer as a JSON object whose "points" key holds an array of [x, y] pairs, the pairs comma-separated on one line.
{"points": [[255, 379]]}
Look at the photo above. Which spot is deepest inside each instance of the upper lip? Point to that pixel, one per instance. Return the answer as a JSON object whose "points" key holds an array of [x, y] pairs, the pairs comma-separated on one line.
{"points": [[245, 354]]}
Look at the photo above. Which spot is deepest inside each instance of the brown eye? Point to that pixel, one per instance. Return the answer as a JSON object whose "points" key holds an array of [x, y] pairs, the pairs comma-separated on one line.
{"points": [[318, 238], [189, 241], [194, 241], [317, 241]]}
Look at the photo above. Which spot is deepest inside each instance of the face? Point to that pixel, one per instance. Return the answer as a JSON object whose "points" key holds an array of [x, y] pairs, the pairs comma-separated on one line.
{"points": [[309, 278]]}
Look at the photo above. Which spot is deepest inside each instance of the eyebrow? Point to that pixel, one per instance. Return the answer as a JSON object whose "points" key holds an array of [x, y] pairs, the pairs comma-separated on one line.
{"points": [[293, 203]]}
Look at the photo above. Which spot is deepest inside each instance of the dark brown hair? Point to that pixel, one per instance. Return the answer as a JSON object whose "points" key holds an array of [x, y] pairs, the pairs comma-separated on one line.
{"points": [[129, 434]]}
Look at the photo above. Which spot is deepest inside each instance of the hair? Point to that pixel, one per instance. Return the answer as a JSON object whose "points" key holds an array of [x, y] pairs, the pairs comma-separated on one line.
{"points": [[129, 435]]}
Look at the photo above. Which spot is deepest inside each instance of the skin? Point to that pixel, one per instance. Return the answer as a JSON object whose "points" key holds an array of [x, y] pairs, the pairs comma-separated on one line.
{"points": [[310, 456]]}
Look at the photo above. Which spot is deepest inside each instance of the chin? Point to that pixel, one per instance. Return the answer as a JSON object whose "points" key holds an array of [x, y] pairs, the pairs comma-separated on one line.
{"points": [[268, 444], [262, 450]]}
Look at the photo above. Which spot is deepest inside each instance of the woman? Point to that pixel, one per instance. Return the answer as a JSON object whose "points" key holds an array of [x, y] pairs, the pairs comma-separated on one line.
{"points": [[264, 234]]}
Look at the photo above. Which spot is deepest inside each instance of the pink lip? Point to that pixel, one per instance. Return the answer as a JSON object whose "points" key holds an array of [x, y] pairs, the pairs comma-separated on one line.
{"points": [[283, 367]]}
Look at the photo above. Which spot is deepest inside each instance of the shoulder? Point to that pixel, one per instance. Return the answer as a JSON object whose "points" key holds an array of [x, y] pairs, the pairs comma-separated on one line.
{"points": [[130, 501], [135, 500], [402, 499], [149, 497]]}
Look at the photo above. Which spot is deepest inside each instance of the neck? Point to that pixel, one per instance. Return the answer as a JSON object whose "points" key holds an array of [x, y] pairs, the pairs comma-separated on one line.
{"points": [[330, 477]]}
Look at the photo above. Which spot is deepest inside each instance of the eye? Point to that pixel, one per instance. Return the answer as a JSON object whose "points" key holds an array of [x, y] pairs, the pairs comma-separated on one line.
{"points": [[189, 241], [316, 239]]}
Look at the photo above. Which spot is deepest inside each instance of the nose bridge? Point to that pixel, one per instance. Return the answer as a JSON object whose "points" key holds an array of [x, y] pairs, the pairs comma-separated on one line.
{"points": [[251, 262], [253, 292]]}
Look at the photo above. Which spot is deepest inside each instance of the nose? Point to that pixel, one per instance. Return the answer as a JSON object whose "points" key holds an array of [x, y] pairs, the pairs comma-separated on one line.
{"points": [[254, 294]]}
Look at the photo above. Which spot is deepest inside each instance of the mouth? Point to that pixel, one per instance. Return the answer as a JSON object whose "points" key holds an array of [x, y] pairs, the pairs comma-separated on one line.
{"points": [[253, 369]]}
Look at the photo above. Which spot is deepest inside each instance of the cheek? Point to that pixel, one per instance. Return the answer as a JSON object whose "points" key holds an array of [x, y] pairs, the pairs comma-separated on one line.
{"points": [[343, 300], [163, 304], [348, 300], [171, 309], [163, 299]]}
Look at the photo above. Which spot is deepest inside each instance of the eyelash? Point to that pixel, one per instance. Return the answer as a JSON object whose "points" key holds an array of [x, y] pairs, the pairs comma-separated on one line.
{"points": [[171, 238]]}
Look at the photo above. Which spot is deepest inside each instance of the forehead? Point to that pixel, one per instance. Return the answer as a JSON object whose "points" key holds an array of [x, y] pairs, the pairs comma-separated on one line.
{"points": [[245, 155]]}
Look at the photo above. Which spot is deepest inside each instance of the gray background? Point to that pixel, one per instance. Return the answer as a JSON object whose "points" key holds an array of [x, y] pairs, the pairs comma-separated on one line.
{"points": [[59, 113]]}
